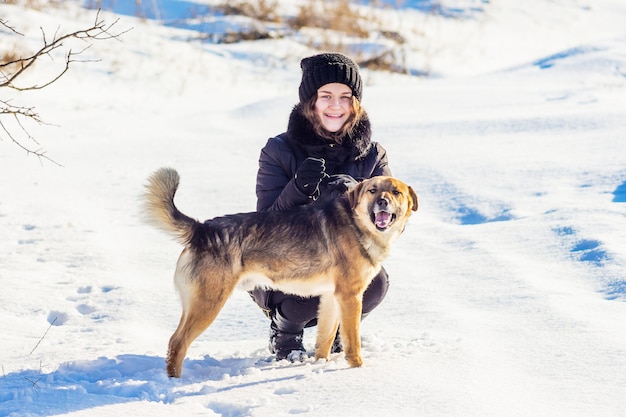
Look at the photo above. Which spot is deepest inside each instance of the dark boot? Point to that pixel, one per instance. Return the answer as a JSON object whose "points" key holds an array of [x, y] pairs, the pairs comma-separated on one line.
{"points": [[286, 339]]}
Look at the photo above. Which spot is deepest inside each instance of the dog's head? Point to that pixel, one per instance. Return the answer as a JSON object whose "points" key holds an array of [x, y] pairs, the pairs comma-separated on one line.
{"points": [[383, 204]]}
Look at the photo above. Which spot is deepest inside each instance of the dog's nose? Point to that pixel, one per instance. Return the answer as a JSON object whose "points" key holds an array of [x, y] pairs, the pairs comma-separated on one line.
{"points": [[382, 203]]}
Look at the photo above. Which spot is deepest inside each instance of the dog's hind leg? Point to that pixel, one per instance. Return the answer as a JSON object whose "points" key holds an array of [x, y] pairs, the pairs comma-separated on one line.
{"points": [[176, 350], [202, 297], [198, 315], [327, 324]]}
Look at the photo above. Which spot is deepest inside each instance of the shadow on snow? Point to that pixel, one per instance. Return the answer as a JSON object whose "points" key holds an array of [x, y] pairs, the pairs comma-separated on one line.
{"points": [[83, 385], [619, 195]]}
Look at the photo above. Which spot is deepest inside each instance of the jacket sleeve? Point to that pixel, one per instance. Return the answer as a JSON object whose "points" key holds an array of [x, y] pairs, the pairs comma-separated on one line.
{"points": [[382, 164], [374, 164], [275, 185]]}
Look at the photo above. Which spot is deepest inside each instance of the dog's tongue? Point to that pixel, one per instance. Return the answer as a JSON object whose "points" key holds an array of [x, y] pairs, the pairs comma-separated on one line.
{"points": [[382, 219]]}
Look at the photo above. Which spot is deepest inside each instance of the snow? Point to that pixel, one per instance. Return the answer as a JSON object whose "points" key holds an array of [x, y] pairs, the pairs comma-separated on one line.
{"points": [[508, 292]]}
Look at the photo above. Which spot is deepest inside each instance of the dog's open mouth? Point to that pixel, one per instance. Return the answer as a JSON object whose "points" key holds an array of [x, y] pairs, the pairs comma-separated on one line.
{"points": [[383, 219]]}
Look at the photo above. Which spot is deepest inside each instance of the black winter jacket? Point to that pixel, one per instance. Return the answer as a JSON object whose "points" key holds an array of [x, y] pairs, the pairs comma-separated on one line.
{"points": [[357, 156]]}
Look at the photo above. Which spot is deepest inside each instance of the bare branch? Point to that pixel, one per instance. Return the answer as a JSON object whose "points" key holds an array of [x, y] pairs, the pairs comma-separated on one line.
{"points": [[99, 31], [11, 28], [19, 113], [12, 71]]}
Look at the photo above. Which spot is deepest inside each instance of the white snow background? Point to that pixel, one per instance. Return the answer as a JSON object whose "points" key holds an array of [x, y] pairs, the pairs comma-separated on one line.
{"points": [[508, 287]]}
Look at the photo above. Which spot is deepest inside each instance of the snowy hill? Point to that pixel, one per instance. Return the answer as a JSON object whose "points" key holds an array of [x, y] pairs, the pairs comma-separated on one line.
{"points": [[508, 292]]}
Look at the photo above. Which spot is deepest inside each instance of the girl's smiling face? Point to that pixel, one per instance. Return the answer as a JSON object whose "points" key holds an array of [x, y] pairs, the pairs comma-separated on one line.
{"points": [[333, 106]]}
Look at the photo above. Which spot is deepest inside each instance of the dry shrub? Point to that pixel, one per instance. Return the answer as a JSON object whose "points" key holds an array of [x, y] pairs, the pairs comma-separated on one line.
{"points": [[34, 4], [330, 25], [336, 15], [11, 53], [9, 56], [340, 23], [386, 59], [392, 60], [262, 10], [235, 37]]}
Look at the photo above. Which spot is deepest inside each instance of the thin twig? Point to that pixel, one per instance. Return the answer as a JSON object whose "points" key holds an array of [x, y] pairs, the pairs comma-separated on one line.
{"points": [[11, 28], [44, 335]]}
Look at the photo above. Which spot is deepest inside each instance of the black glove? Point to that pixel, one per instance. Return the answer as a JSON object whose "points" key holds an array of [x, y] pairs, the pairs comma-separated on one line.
{"points": [[340, 183], [309, 176]]}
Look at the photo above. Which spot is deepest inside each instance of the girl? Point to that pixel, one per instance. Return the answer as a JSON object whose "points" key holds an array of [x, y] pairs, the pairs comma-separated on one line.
{"points": [[326, 149]]}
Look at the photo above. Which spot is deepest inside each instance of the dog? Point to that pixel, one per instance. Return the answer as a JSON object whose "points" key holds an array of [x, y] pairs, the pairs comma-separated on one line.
{"points": [[332, 250]]}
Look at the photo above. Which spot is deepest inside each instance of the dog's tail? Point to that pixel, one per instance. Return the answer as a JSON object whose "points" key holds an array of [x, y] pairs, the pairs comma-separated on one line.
{"points": [[160, 209]]}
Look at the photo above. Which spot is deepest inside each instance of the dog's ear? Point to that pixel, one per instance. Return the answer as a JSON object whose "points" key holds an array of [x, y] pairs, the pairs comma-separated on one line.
{"points": [[354, 195], [413, 196]]}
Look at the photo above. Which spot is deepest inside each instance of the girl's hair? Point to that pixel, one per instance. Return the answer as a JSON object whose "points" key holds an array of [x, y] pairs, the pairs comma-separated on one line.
{"points": [[346, 130]]}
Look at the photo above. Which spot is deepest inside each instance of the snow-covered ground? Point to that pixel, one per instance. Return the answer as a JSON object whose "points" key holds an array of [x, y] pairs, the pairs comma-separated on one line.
{"points": [[508, 293]]}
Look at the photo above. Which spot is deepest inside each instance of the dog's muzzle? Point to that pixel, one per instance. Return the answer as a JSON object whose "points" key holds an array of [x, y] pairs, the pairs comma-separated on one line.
{"points": [[382, 217]]}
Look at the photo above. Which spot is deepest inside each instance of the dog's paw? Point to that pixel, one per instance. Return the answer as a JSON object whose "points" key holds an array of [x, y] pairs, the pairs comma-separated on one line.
{"points": [[324, 357], [297, 356], [354, 361]]}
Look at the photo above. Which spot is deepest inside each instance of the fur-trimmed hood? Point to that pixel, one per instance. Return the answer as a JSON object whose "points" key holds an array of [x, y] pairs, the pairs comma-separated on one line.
{"points": [[300, 134]]}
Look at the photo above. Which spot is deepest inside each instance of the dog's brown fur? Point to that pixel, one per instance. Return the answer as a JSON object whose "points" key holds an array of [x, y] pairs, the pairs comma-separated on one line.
{"points": [[332, 250]]}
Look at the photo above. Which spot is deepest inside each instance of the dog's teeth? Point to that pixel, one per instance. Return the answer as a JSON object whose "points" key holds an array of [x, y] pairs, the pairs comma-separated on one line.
{"points": [[382, 219]]}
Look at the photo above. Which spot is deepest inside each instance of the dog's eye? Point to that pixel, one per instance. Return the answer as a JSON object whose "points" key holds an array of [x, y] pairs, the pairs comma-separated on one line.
{"points": [[371, 190], [396, 192]]}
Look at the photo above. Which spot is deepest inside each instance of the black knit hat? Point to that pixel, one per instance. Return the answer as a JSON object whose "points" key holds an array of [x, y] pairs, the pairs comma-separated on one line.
{"points": [[322, 69]]}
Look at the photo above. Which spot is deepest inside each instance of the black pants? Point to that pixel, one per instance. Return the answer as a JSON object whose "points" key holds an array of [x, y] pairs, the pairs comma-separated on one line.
{"points": [[293, 313]]}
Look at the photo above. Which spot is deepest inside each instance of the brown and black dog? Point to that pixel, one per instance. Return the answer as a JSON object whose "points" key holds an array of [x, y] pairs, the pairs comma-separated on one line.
{"points": [[332, 250]]}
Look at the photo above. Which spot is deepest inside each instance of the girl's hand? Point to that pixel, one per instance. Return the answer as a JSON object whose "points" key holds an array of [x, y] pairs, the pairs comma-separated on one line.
{"points": [[310, 174]]}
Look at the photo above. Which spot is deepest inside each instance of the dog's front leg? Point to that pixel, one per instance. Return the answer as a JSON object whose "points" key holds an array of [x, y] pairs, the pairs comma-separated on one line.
{"points": [[351, 307], [327, 324]]}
